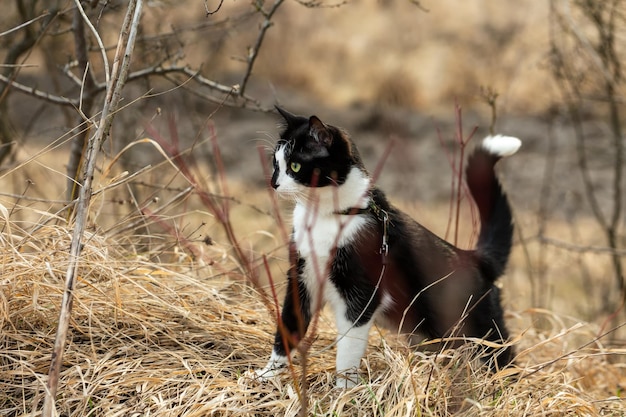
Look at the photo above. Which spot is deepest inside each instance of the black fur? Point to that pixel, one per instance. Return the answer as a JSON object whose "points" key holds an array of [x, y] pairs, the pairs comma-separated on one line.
{"points": [[438, 290], [322, 164]]}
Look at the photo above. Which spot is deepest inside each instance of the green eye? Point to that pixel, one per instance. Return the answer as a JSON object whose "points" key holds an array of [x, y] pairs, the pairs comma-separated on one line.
{"points": [[295, 166]]}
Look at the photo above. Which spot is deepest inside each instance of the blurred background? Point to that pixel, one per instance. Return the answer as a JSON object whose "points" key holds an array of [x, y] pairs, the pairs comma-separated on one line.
{"points": [[413, 77]]}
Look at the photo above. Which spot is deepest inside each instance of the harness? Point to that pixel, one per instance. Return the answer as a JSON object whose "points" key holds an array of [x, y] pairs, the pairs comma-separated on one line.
{"points": [[383, 218]]}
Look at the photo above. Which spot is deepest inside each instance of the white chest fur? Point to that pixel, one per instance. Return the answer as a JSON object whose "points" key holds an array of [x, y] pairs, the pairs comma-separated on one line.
{"points": [[318, 231], [317, 237]]}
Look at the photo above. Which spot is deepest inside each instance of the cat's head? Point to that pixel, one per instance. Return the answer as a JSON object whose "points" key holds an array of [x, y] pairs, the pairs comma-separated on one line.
{"points": [[312, 154]]}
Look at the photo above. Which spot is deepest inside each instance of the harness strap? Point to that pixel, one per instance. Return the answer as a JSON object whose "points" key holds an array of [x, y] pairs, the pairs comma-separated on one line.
{"points": [[381, 215]]}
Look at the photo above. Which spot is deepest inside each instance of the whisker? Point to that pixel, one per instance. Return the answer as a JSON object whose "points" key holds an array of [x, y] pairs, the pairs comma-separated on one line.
{"points": [[266, 144]]}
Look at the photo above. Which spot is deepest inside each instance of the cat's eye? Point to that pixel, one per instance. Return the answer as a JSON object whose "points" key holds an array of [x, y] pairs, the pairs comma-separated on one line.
{"points": [[295, 166]]}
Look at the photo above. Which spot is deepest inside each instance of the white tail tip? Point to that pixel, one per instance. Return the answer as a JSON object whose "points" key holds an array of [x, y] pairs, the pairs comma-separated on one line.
{"points": [[500, 145]]}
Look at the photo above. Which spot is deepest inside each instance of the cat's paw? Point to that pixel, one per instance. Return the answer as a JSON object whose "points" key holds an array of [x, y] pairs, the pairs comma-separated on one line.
{"points": [[276, 366], [271, 371]]}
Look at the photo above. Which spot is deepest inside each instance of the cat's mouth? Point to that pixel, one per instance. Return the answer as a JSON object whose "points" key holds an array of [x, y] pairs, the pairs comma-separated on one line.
{"points": [[293, 194], [308, 196]]}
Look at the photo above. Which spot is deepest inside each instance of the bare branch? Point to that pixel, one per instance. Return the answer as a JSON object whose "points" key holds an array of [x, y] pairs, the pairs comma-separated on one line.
{"points": [[209, 12], [584, 41], [10, 69], [105, 60], [232, 91], [571, 247], [490, 96], [88, 91], [159, 70], [118, 76], [606, 72], [67, 71], [254, 51], [38, 93], [317, 4], [25, 24], [87, 83]]}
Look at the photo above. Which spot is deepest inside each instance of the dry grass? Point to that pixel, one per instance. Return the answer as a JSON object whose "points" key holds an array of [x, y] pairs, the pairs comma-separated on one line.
{"points": [[164, 324], [152, 338], [174, 331]]}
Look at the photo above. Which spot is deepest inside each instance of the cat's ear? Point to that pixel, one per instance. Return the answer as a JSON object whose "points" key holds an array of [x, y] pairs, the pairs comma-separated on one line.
{"points": [[320, 132], [291, 119]]}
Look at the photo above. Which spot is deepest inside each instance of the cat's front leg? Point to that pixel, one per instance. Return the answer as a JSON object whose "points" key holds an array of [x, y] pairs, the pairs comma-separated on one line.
{"points": [[295, 319], [351, 346]]}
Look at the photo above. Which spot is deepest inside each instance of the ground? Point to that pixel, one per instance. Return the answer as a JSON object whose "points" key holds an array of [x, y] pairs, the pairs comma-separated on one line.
{"points": [[169, 319]]}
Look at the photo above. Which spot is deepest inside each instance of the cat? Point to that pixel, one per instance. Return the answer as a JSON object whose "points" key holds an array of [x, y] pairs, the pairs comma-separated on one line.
{"points": [[371, 262]]}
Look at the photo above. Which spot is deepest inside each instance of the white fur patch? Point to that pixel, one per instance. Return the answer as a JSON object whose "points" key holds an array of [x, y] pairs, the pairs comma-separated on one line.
{"points": [[352, 193], [318, 231], [286, 184], [317, 234], [275, 366], [351, 346], [501, 145]]}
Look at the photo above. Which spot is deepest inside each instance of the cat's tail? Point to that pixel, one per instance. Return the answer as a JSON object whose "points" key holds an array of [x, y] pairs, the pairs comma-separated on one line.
{"points": [[496, 230]]}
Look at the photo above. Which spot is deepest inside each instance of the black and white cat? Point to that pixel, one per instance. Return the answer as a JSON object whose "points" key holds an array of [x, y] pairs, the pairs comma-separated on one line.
{"points": [[371, 262]]}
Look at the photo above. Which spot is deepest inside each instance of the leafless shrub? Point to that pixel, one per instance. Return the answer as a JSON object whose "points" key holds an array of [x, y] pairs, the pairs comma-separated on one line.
{"points": [[587, 62]]}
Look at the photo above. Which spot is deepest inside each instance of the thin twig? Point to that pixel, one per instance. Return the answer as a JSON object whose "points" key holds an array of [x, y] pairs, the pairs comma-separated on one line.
{"points": [[105, 60], [462, 142], [38, 93], [317, 4], [141, 74], [69, 74], [27, 23], [254, 51], [602, 53], [217, 9], [490, 96], [116, 78], [570, 247]]}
